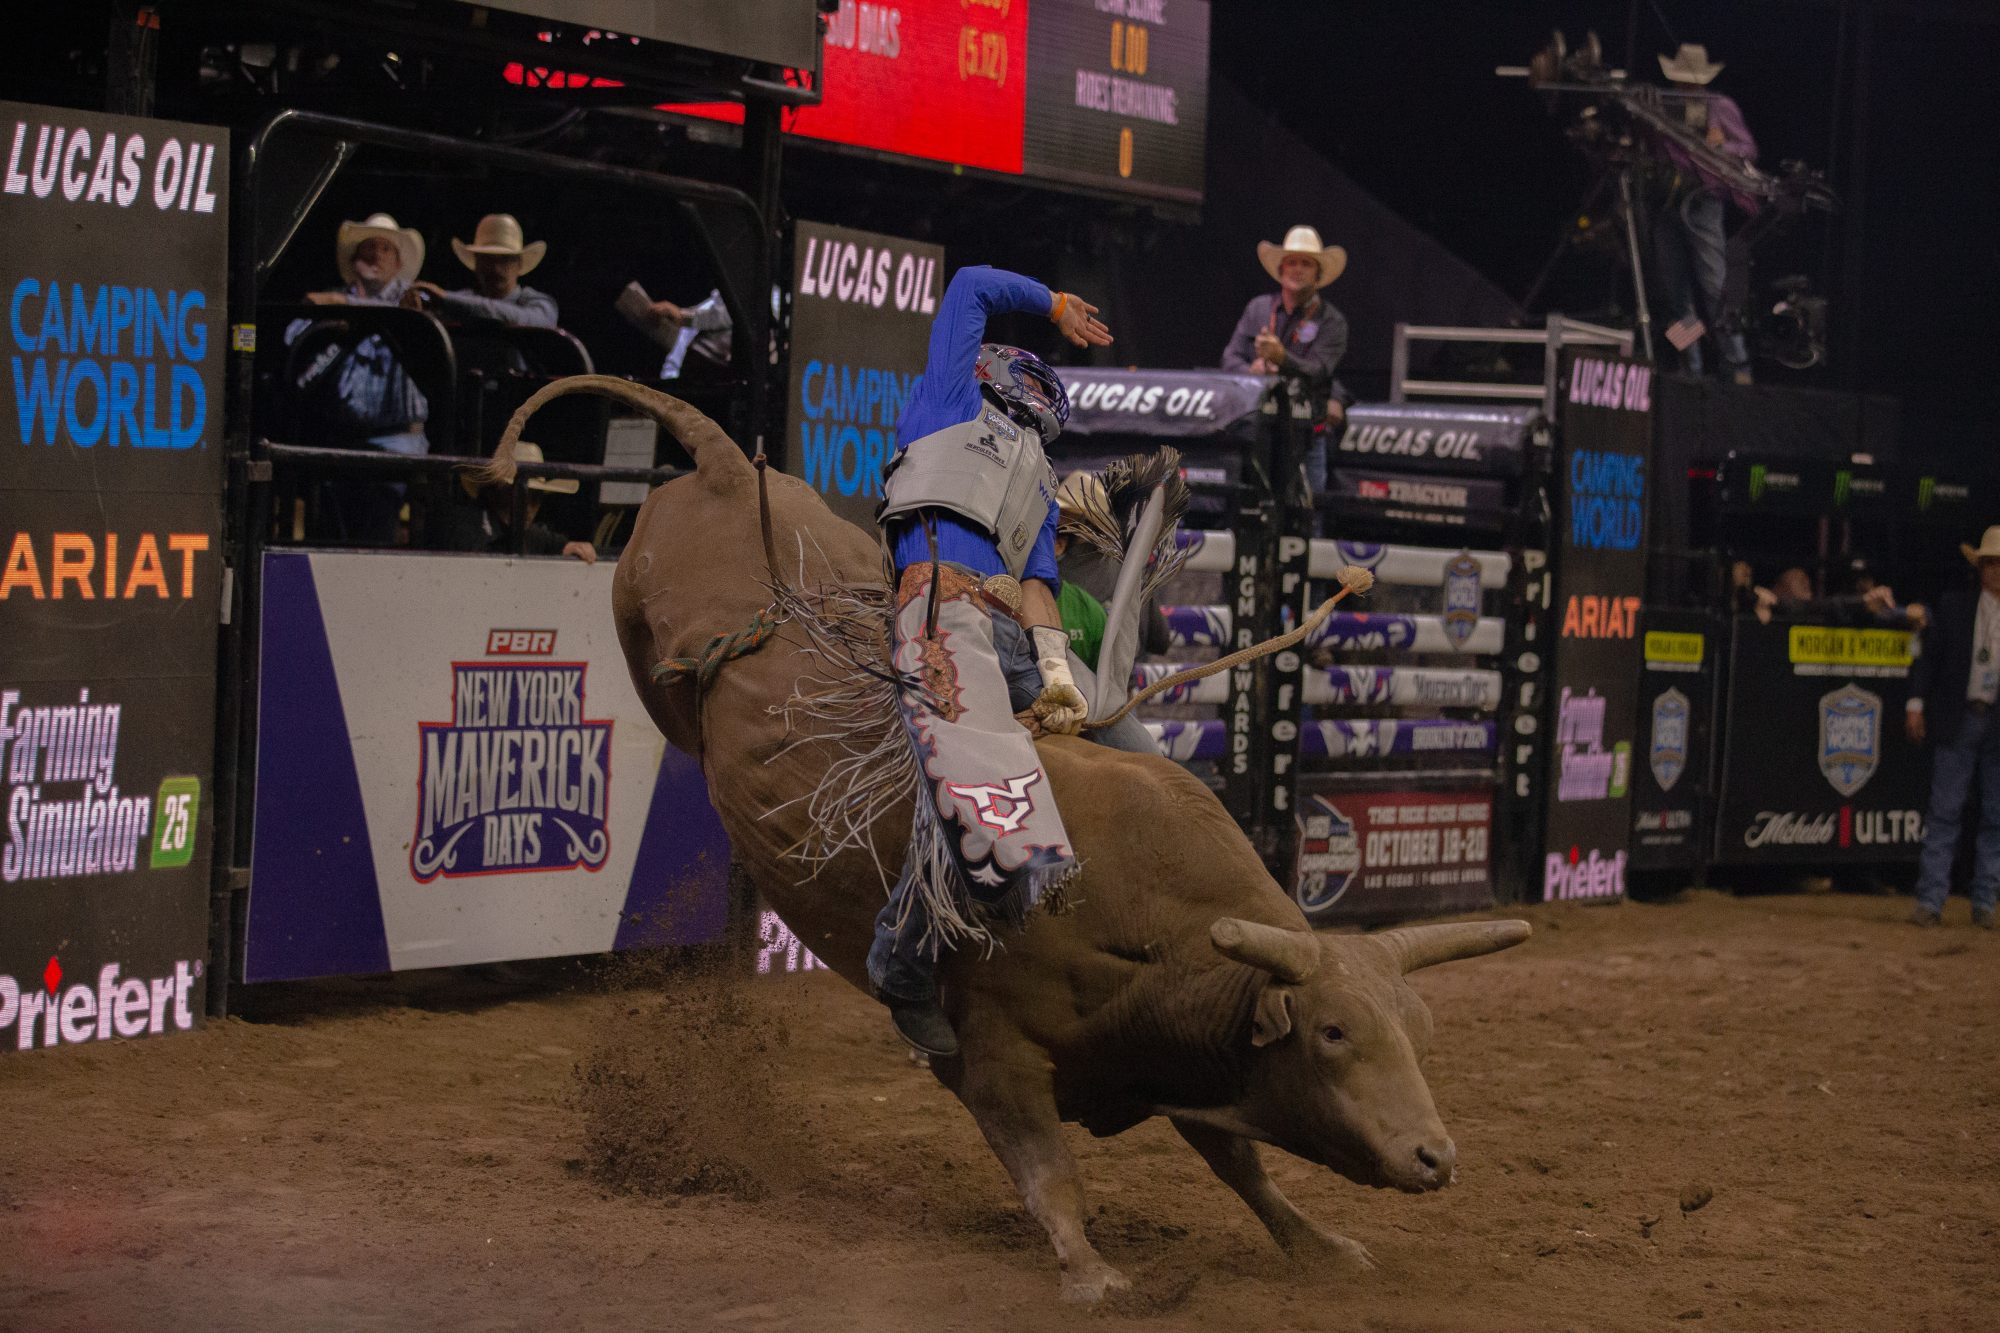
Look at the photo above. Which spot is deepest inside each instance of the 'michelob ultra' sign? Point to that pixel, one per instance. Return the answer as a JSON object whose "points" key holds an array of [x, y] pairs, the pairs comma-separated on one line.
{"points": [[1600, 580], [861, 325], [110, 568]]}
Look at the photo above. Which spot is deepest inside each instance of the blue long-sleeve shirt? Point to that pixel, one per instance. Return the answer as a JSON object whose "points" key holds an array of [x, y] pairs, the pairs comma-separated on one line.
{"points": [[948, 395]]}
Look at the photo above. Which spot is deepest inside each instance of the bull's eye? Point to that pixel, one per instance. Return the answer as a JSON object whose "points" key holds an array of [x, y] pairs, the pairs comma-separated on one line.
{"points": [[1333, 1033]]}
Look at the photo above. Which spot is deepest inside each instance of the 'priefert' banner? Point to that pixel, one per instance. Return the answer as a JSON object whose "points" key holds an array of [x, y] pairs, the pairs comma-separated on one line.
{"points": [[114, 275], [862, 306]]}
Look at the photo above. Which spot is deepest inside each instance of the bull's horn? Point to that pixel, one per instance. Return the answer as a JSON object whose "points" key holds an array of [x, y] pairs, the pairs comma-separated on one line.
{"points": [[1413, 947], [717, 459], [1288, 955]]}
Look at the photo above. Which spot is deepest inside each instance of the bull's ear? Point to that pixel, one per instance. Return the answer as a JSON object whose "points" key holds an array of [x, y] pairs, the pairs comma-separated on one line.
{"points": [[1288, 955], [1421, 946], [1272, 1019]]}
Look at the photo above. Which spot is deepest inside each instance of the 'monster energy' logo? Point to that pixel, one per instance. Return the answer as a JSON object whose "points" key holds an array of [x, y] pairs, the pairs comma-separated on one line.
{"points": [[517, 780]]}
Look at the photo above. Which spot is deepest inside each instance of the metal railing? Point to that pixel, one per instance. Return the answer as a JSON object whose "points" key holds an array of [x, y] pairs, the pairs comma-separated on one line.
{"points": [[1559, 332]]}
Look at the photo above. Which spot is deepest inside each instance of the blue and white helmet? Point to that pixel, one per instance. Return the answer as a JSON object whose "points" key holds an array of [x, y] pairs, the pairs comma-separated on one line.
{"points": [[1024, 387]]}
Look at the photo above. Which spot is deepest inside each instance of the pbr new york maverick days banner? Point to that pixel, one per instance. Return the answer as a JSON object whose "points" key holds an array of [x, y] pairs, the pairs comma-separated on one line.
{"points": [[453, 767], [1600, 578], [110, 511]]}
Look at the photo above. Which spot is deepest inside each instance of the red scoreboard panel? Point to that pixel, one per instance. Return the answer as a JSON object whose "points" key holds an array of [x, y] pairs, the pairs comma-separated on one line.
{"points": [[1109, 94]]}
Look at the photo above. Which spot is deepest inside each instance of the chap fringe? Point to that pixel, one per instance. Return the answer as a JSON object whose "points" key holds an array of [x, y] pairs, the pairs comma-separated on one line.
{"points": [[847, 702]]}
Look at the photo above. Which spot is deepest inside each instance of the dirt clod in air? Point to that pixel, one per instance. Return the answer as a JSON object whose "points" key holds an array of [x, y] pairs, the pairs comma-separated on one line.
{"points": [[680, 1095]]}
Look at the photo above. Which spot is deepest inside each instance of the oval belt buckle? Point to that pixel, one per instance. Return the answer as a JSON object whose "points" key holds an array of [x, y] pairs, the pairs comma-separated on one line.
{"points": [[1004, 589]]}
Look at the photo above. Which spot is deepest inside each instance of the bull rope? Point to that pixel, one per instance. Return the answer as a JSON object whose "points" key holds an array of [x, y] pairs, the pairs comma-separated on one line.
{"points": [[723, 648], [1352, 578]]}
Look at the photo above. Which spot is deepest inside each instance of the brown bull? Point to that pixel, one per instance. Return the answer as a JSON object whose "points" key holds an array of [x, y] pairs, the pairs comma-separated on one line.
{"points": [[1184, 982]]}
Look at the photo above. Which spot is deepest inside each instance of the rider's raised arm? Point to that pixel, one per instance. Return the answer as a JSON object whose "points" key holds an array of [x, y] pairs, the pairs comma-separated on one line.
{"points": [[976, 293]]}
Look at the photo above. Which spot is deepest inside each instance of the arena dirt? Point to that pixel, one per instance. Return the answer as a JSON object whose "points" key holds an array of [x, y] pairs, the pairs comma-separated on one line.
{"points": [[1768, 1113]]}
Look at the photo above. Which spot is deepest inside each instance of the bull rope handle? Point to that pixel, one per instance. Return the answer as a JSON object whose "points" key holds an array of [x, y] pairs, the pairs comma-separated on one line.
{"points": [[1352, 578]]}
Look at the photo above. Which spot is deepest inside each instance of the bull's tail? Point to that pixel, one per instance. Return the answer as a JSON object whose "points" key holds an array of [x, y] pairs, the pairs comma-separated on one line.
{"points": [[718, 460]]}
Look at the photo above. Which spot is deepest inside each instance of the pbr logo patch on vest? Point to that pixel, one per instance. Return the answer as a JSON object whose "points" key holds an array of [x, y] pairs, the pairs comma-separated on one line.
{"points": [[1850, 737], [1669, 748], [1329, 854], [1461, 598], [518, 779]]}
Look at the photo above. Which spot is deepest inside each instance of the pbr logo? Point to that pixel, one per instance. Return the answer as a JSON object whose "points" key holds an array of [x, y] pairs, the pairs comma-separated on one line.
{"points": [[1329, 855], [518, 780], [1850, 737], [1366, 629], [1461, 598], [1669, 751], [1365, 554]]}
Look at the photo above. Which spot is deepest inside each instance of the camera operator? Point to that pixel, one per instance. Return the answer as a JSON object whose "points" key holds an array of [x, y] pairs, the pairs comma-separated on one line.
{"points": [[1687, 236]]}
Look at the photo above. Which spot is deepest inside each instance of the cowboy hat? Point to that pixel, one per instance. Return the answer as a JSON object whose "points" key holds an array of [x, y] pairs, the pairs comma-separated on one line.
{"points": [[1988, 548], [527, 452], [1081, 492], [499, 234], [409, 245], [1689, 65], [1332, 260]]}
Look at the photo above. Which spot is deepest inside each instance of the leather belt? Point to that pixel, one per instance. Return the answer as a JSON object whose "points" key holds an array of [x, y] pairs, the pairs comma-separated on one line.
{"points": [[1977, 707]]}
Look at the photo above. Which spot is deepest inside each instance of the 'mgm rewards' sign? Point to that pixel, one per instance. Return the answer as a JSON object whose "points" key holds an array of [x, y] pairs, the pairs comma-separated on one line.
{"points": [[452, 768]]}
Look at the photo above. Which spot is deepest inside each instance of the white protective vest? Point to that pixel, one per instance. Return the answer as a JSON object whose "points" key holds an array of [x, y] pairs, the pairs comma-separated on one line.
{"points": [[988, 470]]}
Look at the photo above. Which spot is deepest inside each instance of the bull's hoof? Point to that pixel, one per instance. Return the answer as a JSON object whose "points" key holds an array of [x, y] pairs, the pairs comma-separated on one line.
{"points": [[1088, 1286], [1326, 1252]]}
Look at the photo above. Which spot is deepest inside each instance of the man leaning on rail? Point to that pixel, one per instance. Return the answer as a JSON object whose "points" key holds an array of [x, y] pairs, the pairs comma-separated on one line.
{"points": [[969, 520]]}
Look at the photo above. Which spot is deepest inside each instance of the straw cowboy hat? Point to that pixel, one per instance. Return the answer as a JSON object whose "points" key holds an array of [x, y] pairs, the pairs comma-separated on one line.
{"points": [[1689, 65], [525, 452], [1081, 492], [1988, 548], [1332, 260], [351, 234], [499, 234]]}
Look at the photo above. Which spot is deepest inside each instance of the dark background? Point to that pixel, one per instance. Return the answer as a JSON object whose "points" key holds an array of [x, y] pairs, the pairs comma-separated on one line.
{"points": [[1381, 123], [1900, 100]]}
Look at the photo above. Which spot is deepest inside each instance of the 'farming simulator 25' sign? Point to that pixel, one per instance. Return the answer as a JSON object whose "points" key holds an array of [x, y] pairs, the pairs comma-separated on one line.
{"points": [[110, 568]]}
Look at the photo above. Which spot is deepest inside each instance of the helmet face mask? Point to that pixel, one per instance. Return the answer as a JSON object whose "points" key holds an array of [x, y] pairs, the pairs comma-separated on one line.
{"points": [[1024, 387]]}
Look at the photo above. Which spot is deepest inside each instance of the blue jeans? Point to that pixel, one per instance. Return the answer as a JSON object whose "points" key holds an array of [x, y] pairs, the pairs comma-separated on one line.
{"points": [[1976, 748], [902, 963], [1691, 254]]}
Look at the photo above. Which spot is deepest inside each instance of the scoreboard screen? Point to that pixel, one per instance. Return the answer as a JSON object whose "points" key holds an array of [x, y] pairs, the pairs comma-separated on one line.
{"points": [[1109, 94]]}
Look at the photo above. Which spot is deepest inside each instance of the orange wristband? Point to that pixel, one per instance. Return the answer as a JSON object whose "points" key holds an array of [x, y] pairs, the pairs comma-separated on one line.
{"points": [[1056, 314]]}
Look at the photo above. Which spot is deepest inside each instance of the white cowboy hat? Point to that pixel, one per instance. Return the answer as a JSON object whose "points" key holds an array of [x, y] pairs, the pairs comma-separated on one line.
{"points": [[1689, 65], [1988, 548], [348, 239], [1082, 492], [528, 452], [1332, 260], [499, 234]]}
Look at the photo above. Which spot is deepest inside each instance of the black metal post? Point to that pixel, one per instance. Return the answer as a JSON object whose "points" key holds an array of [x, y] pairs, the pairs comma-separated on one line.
{"points": [[763, 153], [1284, 672], [131, 63]]}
